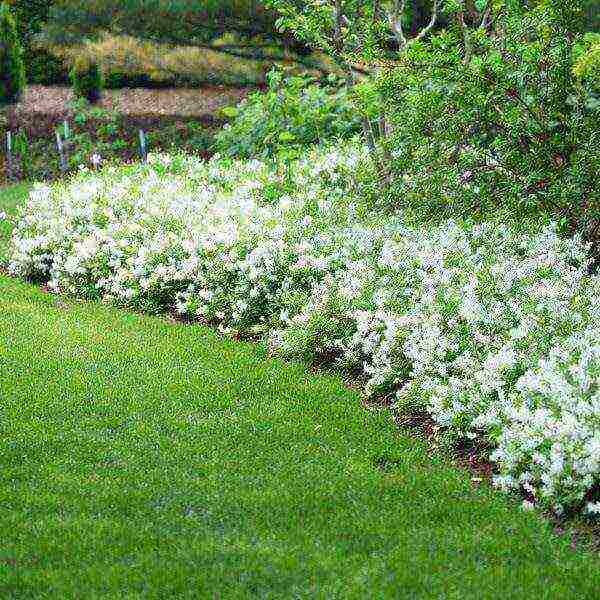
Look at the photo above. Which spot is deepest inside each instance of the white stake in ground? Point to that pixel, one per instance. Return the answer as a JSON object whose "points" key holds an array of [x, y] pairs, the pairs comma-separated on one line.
{"points": [[9, 155], [66, 145], [61, 153], [143, 149]]}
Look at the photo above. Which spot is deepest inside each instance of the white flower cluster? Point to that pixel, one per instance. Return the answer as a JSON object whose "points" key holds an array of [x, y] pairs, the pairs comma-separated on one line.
{"points": [[496, 333]]}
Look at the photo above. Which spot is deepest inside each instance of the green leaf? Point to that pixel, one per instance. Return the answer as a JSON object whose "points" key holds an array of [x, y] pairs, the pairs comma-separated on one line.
{"points": [[230, 111], [286, 136]]}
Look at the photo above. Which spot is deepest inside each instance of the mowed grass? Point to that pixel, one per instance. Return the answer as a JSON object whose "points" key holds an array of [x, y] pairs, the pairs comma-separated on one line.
{"points": [[143, 459], [10, 198]]}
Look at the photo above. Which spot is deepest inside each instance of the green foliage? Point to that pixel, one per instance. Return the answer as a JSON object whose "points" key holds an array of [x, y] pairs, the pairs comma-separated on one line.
{"points": [[178, 22], [46, 69], [292, 114], [237, 37], [12, 68], [587, 65], [23, 154], [511, 134], [31, 15], [87, 80], [40, 65]]}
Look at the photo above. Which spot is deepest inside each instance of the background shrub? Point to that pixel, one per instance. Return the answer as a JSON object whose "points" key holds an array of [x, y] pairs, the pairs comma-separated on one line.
{"points": [[41, 66], [128, 61], [232, 42], [509, 133], [87, 80], [12, 68], [293, 113]]}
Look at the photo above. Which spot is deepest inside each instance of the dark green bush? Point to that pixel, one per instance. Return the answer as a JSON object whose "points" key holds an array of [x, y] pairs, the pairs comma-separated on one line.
{"points": [[41, 66], [87, 80], [512, 133], [12, 68], [293, 113], [44, 68]]}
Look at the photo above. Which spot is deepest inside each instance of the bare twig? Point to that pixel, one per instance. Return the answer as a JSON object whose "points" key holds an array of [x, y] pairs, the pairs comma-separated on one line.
{"points": [[394, 16], [486, 17]]}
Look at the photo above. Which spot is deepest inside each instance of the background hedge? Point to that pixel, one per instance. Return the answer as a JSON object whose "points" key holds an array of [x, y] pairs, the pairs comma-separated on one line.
{"points": [[40, 65]]}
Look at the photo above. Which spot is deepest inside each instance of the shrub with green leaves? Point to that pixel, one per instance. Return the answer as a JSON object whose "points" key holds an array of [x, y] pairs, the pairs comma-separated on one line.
{"points": [[12, 68], [587, 65], [508, 131], [293, 113], [41, 66], [87, 80]]}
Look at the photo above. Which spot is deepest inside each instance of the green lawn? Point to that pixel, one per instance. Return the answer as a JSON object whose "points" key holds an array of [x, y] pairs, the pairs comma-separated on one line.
{"points": [[142, 459], [10, 198]]}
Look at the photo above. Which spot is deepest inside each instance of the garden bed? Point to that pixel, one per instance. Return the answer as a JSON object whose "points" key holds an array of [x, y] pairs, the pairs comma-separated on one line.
{"points": [[181, 118], [159, 435], [491, 331], [54, 100]]}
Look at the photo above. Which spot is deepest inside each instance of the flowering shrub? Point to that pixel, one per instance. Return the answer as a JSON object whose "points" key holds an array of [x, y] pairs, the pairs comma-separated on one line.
{"points": [[493, 331]]}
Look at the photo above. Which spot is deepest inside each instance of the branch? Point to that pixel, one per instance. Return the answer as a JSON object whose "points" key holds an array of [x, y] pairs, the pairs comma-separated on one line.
{"points": [[466, 36], [432, 22], [486, 16], [472, 10], [394, 17]]}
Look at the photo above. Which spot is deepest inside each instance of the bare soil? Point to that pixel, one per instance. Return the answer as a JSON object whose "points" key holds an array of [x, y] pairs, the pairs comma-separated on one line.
{"points": [[139, 101]]}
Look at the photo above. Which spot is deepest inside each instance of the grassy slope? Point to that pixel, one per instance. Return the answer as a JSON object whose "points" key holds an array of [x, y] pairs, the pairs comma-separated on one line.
{"points": [[141, 459]]}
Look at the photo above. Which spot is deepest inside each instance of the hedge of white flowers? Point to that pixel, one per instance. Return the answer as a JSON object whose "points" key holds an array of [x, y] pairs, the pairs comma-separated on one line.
{"points": [[495, 333]]}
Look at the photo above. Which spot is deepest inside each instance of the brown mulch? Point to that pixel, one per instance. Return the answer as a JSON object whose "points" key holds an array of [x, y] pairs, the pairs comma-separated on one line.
{"points": [[135, 101]]}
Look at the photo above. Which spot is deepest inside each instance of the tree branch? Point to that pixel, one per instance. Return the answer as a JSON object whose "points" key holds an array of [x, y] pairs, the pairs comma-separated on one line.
{"points": [[394, 17], [460, 16], [432, 22]]}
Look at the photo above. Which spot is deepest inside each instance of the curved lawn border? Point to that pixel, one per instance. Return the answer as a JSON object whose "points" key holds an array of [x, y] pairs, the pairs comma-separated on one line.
{"points": [[145, 458]]}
